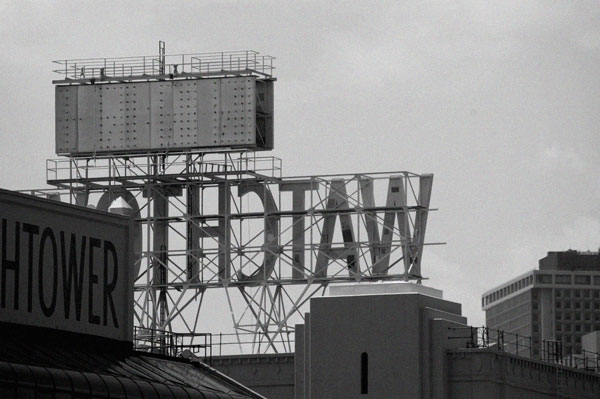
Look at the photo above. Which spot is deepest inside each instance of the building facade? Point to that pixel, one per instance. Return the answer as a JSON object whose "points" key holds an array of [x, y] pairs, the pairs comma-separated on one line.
{"points": [[558, 302], [404, 340]]}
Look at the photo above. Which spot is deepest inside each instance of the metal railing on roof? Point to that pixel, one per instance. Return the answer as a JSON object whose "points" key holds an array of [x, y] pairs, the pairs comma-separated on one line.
{"points": [[552, 351], [224, 63], [202, 345], [549, 351], [178, 165], [484, 337], [172, 344]]}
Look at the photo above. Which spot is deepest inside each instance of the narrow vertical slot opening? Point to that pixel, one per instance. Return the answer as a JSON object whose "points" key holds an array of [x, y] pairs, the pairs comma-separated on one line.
{"points": [[364, 373]]}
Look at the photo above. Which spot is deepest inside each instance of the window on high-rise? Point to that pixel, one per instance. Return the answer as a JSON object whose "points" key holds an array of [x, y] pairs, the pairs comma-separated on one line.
{"points": [[544, 278], [582, 280], [563, 279]]}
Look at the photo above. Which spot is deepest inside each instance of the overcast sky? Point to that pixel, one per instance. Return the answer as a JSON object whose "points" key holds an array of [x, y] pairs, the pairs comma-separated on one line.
{"points": [[501, 102]]}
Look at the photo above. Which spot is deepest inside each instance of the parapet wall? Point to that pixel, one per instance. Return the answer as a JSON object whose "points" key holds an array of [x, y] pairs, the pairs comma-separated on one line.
{"points": [[485, 373], [271, 375]]}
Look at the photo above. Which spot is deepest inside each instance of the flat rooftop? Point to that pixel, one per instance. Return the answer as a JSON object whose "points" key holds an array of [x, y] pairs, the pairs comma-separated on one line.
{"points": [[381, 287]]}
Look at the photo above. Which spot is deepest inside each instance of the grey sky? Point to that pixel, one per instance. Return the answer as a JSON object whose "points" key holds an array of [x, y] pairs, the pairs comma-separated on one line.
{"points": [[501, 102]]}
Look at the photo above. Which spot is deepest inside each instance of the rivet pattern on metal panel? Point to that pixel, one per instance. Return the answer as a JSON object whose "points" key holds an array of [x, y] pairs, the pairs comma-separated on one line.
{"points": [[250, 101], [113, 117], [89, 118], [66, 119], [137, 116], [161, 114], [250, 109], [125, 117], [209, 112], [185, 109], [236, 109], [141, 116]]}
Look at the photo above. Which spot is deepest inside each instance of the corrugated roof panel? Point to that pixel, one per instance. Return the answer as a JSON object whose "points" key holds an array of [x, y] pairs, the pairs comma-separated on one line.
{"points": [[62, 366], [80, 383], [164, 391], [115, 388], [61, 379], [130, 387], [147, 389], [26, 380], [97, 384]]}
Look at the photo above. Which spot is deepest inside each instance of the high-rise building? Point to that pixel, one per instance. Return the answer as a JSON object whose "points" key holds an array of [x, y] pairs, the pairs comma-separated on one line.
{"points": [[558, 302]]}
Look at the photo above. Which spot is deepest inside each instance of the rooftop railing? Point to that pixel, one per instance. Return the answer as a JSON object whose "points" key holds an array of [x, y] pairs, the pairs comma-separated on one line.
{"points": [[484, 337], [146, 166], [202, 345], [549, 351], [224, 63], [173, 344]]}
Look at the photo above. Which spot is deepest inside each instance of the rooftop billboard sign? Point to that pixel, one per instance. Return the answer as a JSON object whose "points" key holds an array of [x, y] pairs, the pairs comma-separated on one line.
{"points": [[65, 267], [137, 117]]}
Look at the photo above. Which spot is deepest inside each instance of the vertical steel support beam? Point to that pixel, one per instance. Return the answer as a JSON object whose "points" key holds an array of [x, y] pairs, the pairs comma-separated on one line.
{"points": [[161, 57], [194, 253], [160, 247], [224, 231]]}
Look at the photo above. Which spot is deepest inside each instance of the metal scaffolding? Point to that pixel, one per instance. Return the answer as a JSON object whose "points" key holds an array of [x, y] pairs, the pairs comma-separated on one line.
{"points": [[230, 221], [212, 214]]}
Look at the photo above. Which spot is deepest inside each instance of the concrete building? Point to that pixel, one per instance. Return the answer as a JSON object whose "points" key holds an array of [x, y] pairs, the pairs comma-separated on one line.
{"points": [[404, 340], [558, 302], [381, 340]]}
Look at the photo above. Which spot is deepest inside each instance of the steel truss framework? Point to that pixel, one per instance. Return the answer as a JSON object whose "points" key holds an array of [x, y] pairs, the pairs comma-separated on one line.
{"points": [[229, 220]]}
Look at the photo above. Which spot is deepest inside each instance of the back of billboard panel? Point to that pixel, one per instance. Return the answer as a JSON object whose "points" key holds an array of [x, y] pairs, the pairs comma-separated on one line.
{"points": [[135, 117], [65, 267]]}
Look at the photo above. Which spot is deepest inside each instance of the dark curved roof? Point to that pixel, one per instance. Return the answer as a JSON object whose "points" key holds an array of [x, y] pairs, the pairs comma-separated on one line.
{"points": [[102, 372]]}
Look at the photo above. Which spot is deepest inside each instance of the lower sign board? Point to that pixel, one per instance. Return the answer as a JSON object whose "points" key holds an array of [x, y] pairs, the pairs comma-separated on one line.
{"points": [[65, 267]]}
